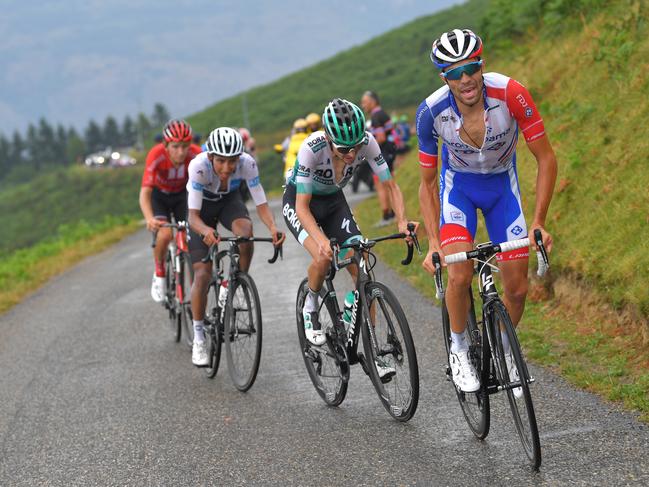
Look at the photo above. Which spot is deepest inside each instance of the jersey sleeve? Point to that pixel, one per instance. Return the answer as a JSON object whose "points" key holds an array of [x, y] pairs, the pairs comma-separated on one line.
{"points": [[148, 178], [251, 175], [427, 136], [523, 109], [195, 184], [304, 163], [376, 159]]}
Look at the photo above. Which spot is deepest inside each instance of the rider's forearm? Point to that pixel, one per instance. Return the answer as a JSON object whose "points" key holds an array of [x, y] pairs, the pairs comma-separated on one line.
{"points": [[545, 180], [429, 208], [197, 224], [399, 207], [266, 216]]}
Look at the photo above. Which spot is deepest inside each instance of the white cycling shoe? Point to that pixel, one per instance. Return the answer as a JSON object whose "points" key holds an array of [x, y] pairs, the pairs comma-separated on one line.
{"points": [[463, 372], [312, 328], [158, 289], [385, 370], [512, 370], [199, 354]]}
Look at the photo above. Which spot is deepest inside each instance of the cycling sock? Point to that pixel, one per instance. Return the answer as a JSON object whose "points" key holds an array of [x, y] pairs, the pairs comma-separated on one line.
{"points": [[159, 268], [199, 331], [506, 347], [458, 342], [311, 302]]}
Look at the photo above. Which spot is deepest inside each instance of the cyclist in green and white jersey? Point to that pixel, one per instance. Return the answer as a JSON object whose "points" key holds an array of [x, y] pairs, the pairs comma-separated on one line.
{"points": [[315, 208]]}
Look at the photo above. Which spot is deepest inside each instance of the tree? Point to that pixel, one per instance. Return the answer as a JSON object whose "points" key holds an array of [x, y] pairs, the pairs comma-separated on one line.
{"points": [[160, 115], [18, 148], [75, 148], [111, 132], [33, 146], [143, 127], [94, 137], [5, 155], [46, 144], [129, 134], [60, 144]]}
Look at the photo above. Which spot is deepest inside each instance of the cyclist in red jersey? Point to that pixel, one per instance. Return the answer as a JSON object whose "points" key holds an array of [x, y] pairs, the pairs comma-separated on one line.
{"points": [[163, 191]]}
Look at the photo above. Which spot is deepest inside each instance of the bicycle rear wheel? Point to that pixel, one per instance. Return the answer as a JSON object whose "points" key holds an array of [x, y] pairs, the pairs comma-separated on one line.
{"points": [[327, 365], [213, 331], [388, 344], [475, 406], [170, 297], [184, 290], [522, 407], [243, 331]]}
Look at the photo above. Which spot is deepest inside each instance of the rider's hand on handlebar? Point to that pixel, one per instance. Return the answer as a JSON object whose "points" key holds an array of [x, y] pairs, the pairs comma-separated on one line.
{"points": [[433, 246], [153, 224], [278, 238], [324, 249], [547, 238], [403, 228], [211, 238]]}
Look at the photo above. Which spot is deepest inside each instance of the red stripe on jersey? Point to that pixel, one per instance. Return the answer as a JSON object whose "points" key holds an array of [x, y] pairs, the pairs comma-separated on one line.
{"points": [[427, 160], [498, 93], [453, 233]]}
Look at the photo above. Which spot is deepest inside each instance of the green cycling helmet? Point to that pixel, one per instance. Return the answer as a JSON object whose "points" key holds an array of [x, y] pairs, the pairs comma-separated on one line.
{"points": [[344, 122]]}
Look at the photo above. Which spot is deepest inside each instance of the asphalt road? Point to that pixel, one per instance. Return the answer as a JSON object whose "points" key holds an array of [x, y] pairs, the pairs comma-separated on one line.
{"points": [[94, 392]]}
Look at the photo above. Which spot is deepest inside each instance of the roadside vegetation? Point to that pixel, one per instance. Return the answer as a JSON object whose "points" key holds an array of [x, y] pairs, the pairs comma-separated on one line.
{"points": [[585, 63]]}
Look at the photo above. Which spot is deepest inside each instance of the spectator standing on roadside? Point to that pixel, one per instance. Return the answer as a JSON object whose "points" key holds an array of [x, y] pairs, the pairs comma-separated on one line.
{"points": [[381, 129]]}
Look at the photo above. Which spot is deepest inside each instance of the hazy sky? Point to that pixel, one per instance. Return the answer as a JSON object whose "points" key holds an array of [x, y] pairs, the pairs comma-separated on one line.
{"points": [[75, 60]]}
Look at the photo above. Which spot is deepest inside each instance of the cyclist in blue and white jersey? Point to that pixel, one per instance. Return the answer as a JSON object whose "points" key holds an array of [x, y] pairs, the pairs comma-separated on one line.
{"points": [[214, 197], [478, 116], [315, 208]]}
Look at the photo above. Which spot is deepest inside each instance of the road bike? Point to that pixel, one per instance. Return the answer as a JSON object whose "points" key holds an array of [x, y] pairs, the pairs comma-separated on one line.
{"points": [[377, 316], [179, 275], [234, 313], [486, 347]]}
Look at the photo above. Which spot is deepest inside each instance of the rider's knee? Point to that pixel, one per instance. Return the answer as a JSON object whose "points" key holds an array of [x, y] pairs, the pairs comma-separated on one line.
{"points": [[517, 292], [460, 278]]}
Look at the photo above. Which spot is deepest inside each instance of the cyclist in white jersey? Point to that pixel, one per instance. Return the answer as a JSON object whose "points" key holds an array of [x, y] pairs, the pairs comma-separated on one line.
{"points": [[214, 197], [315, 208], [478, 116]]}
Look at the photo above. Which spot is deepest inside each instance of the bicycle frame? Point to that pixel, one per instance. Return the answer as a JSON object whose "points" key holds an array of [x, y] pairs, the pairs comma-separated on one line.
{"points": [[360, 257]]}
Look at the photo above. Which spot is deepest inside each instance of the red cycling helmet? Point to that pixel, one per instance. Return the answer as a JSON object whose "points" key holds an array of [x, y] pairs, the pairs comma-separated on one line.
{"points": [[177, 131]]}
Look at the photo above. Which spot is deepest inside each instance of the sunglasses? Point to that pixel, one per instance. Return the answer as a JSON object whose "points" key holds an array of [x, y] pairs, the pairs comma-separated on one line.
{"points": [[456, 73], [344, 149]]}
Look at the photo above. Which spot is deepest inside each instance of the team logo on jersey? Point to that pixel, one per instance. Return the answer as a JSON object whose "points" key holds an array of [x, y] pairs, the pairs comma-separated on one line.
{"points": [[317, 144], [457, 216], [528, 112], [291, 217]]}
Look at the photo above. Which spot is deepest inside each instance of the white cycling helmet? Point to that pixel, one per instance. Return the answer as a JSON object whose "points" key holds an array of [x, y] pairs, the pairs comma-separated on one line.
{"points": [[454, 46], [225, 142]]}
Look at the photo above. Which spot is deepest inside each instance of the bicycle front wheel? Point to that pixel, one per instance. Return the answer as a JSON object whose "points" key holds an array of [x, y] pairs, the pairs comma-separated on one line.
{"points": [[170, 297], [183, 296], [521, 407], [243, 331], [213, 331], [475, 405], [390, 356], [327, 365]]}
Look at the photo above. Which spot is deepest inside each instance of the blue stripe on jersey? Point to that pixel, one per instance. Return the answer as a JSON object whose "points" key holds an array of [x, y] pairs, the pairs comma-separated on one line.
{"points": [[253, 182], [197, 186]]}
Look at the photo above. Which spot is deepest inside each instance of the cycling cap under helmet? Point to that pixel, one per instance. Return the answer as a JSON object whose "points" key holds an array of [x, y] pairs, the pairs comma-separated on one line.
{"points": [[344, 122], [225, 142], [455, 46], [177, 131]]}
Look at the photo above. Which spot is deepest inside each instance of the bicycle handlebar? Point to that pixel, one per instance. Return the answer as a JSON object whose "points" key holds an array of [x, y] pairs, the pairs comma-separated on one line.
{"points": [[367, 244], [486, 251], [181, 225], [278, 251]]}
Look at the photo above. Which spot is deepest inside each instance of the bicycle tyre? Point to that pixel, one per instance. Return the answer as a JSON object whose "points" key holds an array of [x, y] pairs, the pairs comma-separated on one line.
{"points": [[170, 297], [329, 374], [186, 276], [213, 332], [243, 331], [386, 324], [522, 408], [475, 406]]}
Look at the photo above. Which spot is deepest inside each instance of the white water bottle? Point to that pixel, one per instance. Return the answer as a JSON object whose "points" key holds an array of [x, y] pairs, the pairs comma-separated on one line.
{"points": [[347, 310], [223, 293]]}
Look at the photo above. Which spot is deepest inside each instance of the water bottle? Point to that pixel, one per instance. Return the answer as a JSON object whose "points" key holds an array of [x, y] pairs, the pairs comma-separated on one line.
{"points": [[223, 293], [347, 310]]}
